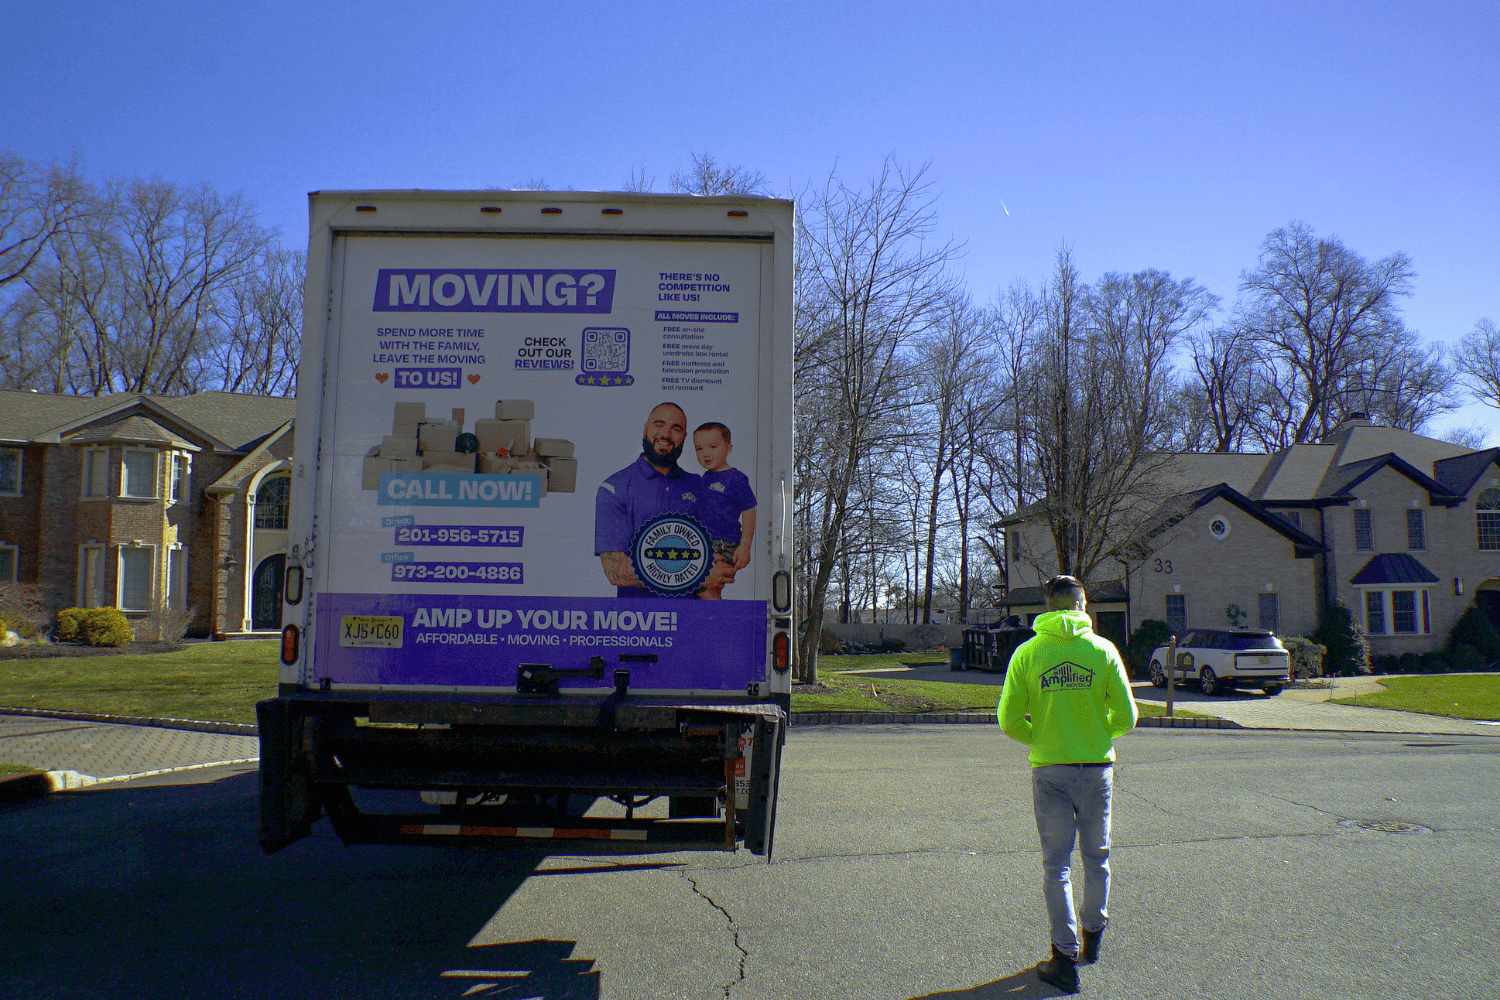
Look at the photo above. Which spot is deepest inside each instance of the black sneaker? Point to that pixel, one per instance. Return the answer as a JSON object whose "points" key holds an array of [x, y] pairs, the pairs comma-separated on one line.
{"points": [[1060, 971], [1088, 954]]}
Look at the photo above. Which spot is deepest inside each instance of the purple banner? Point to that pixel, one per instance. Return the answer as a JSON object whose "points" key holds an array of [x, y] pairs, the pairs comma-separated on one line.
{"points": [[481, 640]]}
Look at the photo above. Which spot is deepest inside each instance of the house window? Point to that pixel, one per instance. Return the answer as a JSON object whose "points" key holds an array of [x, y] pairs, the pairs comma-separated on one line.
{"points": [[1292, 517], [136, 566], [181, 466], [91, 576], [1364, 530], [10, 472], [271, 503], [10, 555], [1270, 611], [1177, 613], [1404, 612], [96, 474], [1487, 519], [1375, 612], [1416, 529], [177, 577], [138, 476]]}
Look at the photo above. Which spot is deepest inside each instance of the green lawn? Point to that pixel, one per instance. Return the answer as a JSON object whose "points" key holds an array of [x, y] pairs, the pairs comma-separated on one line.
{"points": [[1459, 696], [6, 770], [212, 681], [879, 694]]}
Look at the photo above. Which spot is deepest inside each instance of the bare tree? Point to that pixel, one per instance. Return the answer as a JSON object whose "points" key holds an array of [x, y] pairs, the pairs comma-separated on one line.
{"points": [[1325, 317], [707, 177], [1477, 361], [1228, 381], [37, 204], [261, 320], [870, 283]]}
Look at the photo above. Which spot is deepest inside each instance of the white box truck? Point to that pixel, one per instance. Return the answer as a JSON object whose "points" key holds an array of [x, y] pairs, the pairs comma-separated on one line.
{"points": [[540, 551]]}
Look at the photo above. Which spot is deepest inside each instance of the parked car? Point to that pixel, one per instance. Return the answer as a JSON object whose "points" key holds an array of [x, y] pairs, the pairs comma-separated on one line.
{"points": [[1221, 660]]}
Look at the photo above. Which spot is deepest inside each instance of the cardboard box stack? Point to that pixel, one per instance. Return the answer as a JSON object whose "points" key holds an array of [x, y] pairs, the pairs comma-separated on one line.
{"points": [[418, 443]]}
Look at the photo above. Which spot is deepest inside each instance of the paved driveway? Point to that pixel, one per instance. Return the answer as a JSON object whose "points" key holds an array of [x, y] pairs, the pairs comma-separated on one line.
{"points": [[80, 753], [907, 867]]}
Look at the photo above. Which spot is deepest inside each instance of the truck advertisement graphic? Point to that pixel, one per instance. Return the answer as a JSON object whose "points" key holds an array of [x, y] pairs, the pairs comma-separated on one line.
{"points": [[543, 450]]}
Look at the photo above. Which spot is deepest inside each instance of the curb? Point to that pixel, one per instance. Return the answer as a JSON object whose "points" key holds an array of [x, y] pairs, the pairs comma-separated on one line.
{"points": [[973, 718], [191, 725]]}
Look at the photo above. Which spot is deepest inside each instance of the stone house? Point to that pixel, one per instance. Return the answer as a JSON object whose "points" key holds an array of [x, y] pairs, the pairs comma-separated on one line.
{"points": [[1403, 529], [145, 502]]}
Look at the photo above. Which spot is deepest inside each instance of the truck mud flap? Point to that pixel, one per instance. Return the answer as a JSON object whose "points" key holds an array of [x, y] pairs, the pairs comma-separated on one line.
{"points": [[288, 804], [765, 768]]}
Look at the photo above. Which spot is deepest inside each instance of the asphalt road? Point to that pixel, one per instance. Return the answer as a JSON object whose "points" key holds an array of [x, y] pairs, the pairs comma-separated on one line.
{"points": [[906, 867]]}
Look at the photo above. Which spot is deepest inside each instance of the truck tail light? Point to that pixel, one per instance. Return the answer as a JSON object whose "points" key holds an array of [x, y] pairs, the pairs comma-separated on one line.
{"points": [[782, 647], [291, 642]]}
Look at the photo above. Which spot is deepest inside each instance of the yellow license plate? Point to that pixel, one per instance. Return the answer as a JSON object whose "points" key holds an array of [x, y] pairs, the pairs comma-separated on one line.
{"points": [[382, 631], [1263, 659]]}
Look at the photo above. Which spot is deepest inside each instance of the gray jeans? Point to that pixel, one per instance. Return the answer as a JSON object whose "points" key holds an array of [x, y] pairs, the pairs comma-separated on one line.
{"points": [[1072, 803]]}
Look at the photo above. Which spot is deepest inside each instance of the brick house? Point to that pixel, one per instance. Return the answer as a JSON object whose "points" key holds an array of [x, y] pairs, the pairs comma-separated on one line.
{"points": [[1404, 529], [137, 502]]}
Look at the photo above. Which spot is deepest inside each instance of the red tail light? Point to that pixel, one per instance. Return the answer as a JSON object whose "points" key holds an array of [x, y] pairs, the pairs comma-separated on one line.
{"points": [[782, 647], [290, 644]]}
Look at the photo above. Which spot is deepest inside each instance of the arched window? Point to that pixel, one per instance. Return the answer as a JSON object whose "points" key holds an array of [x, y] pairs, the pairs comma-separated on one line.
{"points": [[1487, 519], [271, 502]]}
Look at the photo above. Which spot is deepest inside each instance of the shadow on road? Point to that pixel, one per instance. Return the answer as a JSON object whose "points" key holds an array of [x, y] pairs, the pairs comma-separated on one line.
{"points": [[1024, 985], [163, 892]]}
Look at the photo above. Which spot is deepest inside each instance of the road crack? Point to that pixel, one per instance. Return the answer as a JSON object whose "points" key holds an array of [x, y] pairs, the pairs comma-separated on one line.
{"points": [[734, 931]]}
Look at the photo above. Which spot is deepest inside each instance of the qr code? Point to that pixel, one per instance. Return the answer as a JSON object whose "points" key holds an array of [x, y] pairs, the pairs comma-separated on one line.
{"points": [[606, 350]]}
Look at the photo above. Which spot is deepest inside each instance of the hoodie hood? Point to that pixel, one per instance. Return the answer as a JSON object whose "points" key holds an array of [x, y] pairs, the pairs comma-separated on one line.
{"points": [[1065, 625]]}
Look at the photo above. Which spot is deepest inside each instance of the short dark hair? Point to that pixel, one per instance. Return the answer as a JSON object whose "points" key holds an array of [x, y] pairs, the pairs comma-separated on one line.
{"points": [[714, 425], [672, 405], [1064, 586]]}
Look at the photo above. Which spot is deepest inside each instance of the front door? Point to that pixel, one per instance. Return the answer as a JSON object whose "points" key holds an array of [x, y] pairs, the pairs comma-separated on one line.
{"points": [[265, 596], [1489, 603]]}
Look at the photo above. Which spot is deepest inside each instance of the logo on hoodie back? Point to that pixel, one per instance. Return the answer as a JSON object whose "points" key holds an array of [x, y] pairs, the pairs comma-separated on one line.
{"points": [[1067, 676]]}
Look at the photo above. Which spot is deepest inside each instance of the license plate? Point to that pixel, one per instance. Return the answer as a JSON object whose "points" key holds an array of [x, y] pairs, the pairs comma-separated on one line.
{"points": [[1262, 659], [383, 631]]}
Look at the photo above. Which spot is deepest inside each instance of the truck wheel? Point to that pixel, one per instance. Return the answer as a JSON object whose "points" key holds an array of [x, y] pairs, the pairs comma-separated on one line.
{"points": [[1209, 682], [1273, 689], [1158, 675]]}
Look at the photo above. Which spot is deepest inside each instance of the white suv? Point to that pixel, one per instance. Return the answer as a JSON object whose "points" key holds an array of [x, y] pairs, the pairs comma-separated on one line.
{"points": [[1221, 660]]}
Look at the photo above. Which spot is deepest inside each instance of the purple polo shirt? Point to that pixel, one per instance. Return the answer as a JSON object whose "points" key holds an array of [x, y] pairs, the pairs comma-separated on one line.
{"points": [[634, 495], [726, 495]]}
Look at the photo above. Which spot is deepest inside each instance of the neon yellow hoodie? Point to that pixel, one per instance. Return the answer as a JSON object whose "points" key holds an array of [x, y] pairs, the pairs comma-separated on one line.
{"points": [[1073, 685]]}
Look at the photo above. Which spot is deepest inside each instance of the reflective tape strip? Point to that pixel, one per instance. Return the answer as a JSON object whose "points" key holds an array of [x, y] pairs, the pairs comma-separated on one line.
{"points": [[531, 832]]}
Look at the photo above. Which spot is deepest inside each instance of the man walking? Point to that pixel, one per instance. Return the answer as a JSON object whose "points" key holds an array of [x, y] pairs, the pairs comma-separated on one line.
{"points": [[1067, 697]]}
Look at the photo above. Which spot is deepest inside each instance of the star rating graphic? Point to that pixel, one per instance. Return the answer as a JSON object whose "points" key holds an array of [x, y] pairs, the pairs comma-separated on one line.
{"points": [[605, 379], [677, 552]]}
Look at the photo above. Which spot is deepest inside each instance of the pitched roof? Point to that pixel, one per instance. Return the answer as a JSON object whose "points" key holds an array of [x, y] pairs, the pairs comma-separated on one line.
{"points": [[1293, 473], [1392, 567], [1341, 479], [233, 421], [133, 429], [1104, 592], [1357, 441], [1178, 508], [1186, 471], [1458, 475]]}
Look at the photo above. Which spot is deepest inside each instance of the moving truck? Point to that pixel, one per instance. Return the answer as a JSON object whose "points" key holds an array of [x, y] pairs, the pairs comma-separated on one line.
{"points": [[538, 585]]}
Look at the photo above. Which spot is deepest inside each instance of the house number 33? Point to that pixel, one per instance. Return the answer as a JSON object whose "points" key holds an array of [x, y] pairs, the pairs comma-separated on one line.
{"points": [[1163, 566]]}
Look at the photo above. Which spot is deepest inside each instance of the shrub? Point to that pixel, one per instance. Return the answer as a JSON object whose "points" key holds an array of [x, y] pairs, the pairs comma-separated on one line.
{"points": [[1464, 658], [1149, 634], [828, 642], [1348, 649], [171, 624], [1306, 656], [1473, 628], [93, 626], [1434, 661]]}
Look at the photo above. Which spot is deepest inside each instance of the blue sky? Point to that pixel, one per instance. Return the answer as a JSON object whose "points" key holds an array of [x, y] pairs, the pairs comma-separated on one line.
{"points": [[1167, 135]]}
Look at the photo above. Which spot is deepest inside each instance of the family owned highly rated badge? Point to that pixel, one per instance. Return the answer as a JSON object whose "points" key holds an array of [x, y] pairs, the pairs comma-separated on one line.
{"points": [[672, 554]]}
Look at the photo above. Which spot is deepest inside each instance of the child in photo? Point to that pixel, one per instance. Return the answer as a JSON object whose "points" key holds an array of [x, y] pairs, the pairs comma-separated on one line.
{"points": [[727, 507]]}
